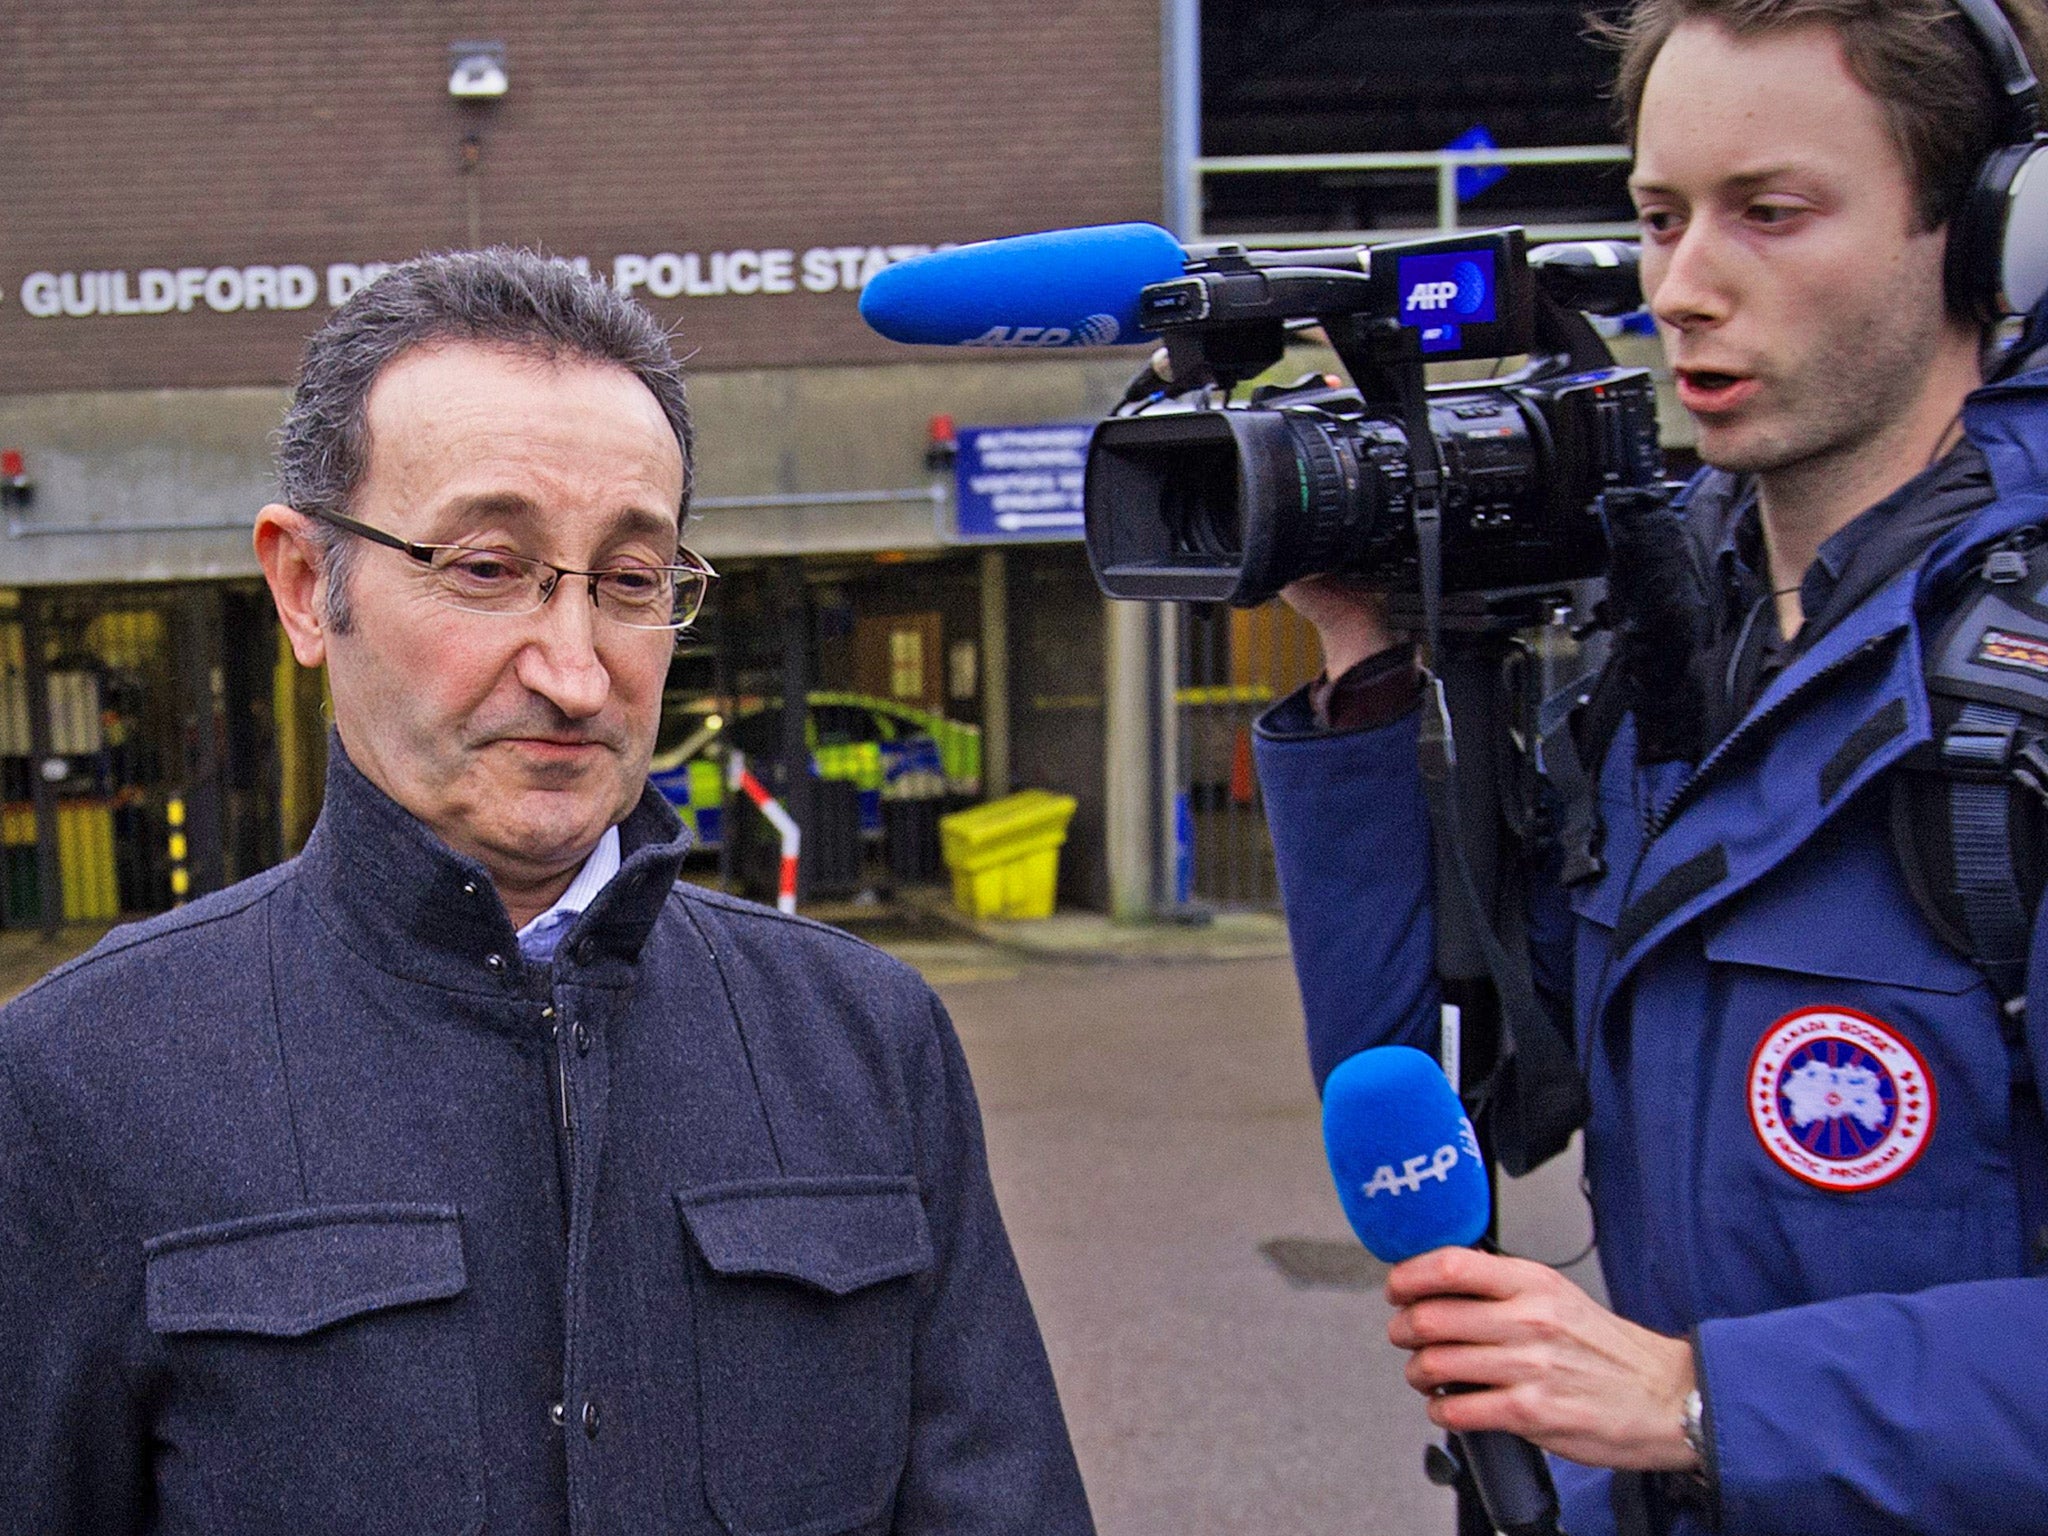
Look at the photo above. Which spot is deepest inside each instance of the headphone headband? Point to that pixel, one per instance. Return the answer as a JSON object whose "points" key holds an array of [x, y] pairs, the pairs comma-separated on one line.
{"points": [[2009, 62]]}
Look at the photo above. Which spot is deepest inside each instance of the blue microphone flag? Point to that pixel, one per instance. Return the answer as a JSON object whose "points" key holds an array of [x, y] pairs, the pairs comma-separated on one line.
{"points": [[1061, 288], [1406, 1162]]}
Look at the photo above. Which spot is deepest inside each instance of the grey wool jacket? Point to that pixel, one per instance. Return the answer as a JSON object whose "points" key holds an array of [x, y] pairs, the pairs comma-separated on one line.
{"points": [[321, 1210]]}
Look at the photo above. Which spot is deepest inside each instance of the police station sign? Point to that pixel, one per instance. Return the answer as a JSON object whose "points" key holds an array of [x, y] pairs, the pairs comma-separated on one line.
{"points": [[233, 289], [164, 290]]}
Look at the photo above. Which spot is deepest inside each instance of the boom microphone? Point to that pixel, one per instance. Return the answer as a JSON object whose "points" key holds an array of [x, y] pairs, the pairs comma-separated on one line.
{"points": [[1410, 1178], [1081, 287], [1062, 288]]}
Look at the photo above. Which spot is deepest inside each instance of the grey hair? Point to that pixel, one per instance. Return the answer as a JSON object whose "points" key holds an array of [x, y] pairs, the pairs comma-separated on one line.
{"points": [[499, 297]]}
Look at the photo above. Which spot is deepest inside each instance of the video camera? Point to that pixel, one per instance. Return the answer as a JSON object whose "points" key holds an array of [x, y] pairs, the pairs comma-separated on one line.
{"points": [[1192, 499]]}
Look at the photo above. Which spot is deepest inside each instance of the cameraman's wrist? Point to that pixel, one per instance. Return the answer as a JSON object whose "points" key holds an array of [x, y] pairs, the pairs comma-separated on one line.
{"points": [[1376, 690], [1353, 640], [1350, 621]]}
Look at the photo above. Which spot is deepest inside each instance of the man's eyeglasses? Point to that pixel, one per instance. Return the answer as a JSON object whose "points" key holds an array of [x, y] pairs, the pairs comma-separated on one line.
{"points": [[498, 581]]}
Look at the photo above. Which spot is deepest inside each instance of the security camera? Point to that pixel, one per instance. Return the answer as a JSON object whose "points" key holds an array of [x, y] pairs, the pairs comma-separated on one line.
{"points": [[477, 71]]}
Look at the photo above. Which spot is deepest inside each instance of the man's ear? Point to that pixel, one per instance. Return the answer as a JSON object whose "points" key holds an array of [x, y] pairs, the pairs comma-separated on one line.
{"points": [[291, 565]]}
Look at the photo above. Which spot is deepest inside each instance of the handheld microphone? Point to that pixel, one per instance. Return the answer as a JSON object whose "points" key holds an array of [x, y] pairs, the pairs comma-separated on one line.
{"points": [[1410, 1178], [1062, 288]]}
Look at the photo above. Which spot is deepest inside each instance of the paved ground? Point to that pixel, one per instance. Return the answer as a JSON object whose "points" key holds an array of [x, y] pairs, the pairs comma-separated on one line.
{"points": [[1216, 1332], [25, 954]]}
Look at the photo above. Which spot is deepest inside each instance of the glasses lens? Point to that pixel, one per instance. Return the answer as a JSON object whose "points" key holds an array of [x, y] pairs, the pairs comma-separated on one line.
{"points": [[642, 596], [669, 600], [655, 597], [691, 585], [488, 581]]}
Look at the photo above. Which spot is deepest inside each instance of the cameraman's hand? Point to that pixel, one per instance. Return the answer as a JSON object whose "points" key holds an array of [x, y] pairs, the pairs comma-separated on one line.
{"points": [[1350, 621], [1553, 1365]]}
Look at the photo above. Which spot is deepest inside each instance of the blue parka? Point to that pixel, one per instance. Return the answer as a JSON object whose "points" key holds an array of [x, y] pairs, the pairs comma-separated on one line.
{"points": [[322, 1211], [1802, 1141]]}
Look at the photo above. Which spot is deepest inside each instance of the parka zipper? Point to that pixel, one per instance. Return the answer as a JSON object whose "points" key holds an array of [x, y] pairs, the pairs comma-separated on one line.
{"points": [[1655, 821]]}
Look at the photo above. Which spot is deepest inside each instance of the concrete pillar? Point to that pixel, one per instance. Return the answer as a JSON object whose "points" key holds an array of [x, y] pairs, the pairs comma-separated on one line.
{"points": [[1142, 662], [1180, 81], [1165, 752], [995, 674], [1141, 668]]}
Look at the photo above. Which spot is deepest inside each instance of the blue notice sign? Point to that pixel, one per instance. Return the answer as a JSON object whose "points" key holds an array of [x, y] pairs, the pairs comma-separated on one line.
{"points": [[1021, 482]]}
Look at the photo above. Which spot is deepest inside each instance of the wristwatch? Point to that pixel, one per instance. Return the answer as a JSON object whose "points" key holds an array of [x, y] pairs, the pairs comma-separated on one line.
{"points": [[1693, 1423]]}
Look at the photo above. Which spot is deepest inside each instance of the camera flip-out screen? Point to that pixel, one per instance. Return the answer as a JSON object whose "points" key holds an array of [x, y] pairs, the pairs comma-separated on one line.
{"points": [[1462, 295]]}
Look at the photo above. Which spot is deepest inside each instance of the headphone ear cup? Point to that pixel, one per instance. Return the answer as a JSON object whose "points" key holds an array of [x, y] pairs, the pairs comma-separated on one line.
{"points": [[1997, 262], [2023, 250]]}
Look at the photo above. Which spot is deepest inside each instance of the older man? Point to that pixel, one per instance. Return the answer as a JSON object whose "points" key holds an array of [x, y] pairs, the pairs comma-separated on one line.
{"points": [[466, 1172]]}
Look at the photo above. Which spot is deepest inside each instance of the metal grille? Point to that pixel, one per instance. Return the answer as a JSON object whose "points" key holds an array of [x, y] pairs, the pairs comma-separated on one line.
{"points": [[1234, 664]]}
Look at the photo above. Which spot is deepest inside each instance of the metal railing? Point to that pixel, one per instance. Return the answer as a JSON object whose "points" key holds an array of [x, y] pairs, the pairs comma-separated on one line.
{"points": [[1444, 163]]}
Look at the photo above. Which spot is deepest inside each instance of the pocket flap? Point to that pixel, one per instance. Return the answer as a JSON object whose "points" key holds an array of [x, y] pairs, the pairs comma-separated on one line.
{"points": [[1888, 943], [837, 1234], [292, 1272]]}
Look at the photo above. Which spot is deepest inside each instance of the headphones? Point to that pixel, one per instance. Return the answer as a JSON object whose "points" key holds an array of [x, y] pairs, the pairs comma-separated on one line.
{"points": [[1998, 238]]}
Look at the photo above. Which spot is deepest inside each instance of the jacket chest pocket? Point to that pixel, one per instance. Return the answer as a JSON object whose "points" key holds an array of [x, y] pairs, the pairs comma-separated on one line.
{"points": [[806, 1303], [318, 1373]]}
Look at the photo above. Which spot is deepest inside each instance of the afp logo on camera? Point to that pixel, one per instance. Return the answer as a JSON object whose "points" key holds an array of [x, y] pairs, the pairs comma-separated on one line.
{"points": [[1452, 286]]}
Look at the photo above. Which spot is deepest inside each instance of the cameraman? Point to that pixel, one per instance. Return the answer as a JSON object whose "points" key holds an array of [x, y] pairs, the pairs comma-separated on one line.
{"points": [[1845, 1340]]}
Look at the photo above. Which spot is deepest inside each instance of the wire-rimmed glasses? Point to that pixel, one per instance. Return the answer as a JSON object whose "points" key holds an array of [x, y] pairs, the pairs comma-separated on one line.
{"points": [[496, 581]]}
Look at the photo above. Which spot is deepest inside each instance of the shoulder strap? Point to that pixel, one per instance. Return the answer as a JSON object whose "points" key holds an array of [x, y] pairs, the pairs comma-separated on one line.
{"points": [[1968, 819]]}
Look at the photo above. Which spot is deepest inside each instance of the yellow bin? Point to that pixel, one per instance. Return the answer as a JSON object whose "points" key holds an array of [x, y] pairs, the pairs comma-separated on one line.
{"points": [[1005, 856]]}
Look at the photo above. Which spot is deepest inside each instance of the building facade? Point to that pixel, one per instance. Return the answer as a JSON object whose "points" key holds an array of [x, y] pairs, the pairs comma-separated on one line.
{"points": [[194, 187]]}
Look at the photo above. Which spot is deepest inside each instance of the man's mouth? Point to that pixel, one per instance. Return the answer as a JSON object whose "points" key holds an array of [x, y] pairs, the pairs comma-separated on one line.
{"points": [[1710, 389], [553, 746]]}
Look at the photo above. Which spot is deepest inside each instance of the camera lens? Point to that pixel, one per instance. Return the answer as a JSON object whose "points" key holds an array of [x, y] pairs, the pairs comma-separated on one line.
{"points": [[1198, 500]]}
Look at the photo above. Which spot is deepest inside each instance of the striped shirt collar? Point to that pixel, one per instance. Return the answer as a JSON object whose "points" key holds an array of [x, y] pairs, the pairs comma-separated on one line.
{"points": [[593, 877]]}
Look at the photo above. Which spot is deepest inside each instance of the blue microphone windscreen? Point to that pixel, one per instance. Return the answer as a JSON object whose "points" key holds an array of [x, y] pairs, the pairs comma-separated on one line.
{"points": [[1407, 1165], [1062, 288]]}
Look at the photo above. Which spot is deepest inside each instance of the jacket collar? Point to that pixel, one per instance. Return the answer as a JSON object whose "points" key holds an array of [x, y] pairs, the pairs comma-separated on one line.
{"points": [[1754, 810], [414, 907]]}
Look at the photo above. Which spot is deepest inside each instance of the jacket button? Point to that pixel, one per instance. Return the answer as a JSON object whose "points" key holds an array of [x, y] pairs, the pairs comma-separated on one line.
{"points": [[590, 1417], [494, 963], [582, 1037], [586, 951], [558, 1415], [469, 887]]}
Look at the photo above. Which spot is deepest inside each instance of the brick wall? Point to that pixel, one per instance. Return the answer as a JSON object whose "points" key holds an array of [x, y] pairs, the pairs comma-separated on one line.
{"points": [[304, 133]]}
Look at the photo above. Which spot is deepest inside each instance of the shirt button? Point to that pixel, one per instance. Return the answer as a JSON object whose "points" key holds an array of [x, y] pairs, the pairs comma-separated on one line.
{"points": [[582, 1039], [494, 963], [590, 1417], [558, 1415]]}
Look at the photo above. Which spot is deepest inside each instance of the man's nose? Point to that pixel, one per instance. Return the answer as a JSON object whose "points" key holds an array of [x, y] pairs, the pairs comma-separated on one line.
{"points": [[560, 660], [1687, 280]]}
